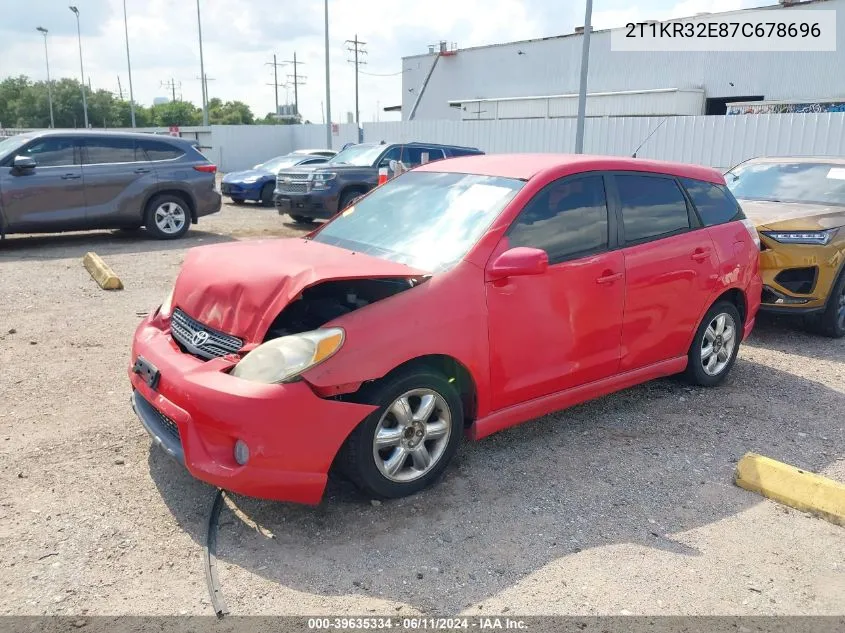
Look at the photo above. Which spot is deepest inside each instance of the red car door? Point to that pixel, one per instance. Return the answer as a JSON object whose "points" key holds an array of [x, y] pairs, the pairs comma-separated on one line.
{"points": [[671, 267], [561, 328]]}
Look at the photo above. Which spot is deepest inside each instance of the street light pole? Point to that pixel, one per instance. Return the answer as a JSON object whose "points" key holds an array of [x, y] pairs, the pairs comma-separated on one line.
{"points": [[81, 69], [129, 66], [49, 83], [328, 81], [582, 91], [202, 72]]}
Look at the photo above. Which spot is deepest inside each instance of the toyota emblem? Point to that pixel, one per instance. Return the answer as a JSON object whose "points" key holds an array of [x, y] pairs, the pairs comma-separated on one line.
{"points": [[199, 338]]}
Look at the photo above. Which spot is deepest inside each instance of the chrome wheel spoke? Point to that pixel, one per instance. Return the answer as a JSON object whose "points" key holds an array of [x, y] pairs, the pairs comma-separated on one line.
{"points": [[426, 408], [436, 430], [711, 362], [720, 324], [706, 352], [397, 459], [710, 333], [385, 438], [401, 410], [421, 457]]}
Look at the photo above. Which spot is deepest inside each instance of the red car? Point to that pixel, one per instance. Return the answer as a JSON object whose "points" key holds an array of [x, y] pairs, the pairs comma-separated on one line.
{"points": [[461, 298]]}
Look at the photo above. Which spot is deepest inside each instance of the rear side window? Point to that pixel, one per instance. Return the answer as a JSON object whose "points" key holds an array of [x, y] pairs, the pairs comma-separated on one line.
{"points": [[715, 204], [567, 219], [652, 207], [102, 151], [159, 150]]}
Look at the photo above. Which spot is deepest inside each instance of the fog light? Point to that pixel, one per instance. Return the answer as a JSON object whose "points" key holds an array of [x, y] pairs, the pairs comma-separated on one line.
{"points": [[241, 452]]}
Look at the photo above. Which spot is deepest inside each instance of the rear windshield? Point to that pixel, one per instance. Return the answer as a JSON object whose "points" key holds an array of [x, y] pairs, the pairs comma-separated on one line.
{"points": [[818, 183]]}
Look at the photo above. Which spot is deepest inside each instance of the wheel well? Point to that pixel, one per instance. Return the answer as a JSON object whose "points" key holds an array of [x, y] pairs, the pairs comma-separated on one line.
{"points": [[359, 189], [455, 372], [182, 195], [736, 297]]}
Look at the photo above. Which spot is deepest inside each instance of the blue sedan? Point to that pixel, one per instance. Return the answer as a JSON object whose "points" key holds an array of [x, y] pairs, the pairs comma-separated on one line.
{"points": [[257, 184]]}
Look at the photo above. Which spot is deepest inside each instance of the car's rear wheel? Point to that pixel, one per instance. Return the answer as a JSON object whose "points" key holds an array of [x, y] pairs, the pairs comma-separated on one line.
{"points": [[167, 217], [715, 346], [238, 200], [407, 443], [301, 219], [831, 322], [267, 195]]}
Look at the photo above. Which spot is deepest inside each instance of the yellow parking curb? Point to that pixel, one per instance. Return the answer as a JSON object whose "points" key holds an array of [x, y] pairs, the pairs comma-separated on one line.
{"points": [[792, 486], [101, 273]]}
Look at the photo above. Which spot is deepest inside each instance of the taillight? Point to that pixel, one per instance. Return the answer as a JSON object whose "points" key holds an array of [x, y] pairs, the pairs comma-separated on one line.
{"points": [[748, 224], [208, 169]]}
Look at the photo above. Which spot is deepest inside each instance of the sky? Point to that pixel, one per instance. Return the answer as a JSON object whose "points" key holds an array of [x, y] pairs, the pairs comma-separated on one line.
{"points": [[240, 37]]}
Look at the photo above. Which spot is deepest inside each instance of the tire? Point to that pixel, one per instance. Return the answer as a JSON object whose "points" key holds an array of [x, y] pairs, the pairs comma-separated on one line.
{"points": [[167, 217], [831, 322], [267, 195], [238, 200], [301, 219], [348, 198], [370, 468], [701, 369]]}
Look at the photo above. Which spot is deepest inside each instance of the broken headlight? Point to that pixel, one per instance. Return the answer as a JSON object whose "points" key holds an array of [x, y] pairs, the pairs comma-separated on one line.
{"points": [[166, 306], [283, 359]]}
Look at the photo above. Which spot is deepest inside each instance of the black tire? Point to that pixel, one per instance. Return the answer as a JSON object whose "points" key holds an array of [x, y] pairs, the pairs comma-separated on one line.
{"points": [[348, 198], [357, 458], [695, 372], [831, 322], [238, 200], [301, 219], [175, 203], [267, 195]]}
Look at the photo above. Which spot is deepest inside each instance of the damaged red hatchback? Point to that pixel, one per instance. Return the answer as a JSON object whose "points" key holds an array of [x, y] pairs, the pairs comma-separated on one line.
{"points": [[463, 297]]}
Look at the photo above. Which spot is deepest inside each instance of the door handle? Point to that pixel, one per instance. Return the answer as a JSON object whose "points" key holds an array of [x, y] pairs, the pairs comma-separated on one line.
{"points": [[701, 254], [142, 170], [71, 177], [609, 278]]}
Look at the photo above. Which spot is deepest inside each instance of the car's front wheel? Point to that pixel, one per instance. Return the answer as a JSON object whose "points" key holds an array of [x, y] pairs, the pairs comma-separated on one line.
{"points": [[715, 346], [831, 322], [302, 219], [167, 217], [407, 443], [267, 195]]}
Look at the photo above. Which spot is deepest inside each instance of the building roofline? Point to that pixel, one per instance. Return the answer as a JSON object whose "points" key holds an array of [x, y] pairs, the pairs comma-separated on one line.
{"points": [[574, 95], [596, 31]]}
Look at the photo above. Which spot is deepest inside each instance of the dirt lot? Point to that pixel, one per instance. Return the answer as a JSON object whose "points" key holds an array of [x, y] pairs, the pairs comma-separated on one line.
{"points": [[624, 505]]}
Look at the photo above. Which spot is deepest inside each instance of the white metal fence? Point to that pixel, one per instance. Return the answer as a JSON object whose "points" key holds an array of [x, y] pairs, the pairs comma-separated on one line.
{"points": [[718, 141]]}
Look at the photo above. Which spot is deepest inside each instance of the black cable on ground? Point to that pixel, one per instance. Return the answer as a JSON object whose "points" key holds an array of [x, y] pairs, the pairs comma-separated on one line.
{"points": [[217, 601]]}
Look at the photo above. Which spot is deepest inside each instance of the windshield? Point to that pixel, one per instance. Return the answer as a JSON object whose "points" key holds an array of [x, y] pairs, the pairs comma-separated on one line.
{"points": [[815, 183], [358, 155], [275, 164], [9, 145], [428, 220]]}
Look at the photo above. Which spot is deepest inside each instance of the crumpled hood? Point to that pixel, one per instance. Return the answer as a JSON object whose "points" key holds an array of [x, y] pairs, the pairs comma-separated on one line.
{"points": [[240, 287], [793, 216]]}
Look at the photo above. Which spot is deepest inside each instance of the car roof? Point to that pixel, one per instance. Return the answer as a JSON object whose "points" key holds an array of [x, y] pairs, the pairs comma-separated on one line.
{"points": [[833, 160], [107, 133], [527, 166], [310, 152]]}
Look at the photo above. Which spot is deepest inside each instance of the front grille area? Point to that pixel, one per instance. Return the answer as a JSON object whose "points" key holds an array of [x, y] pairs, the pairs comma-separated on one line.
{"points": [[801, 281], [291, 183], [167, 425], [199, 340]]}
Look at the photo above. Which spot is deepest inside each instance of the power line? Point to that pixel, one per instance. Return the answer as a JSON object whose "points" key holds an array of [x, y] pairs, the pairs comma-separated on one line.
{"points": [[276, 83], [298, 80], [171, 85], [356, 48]]}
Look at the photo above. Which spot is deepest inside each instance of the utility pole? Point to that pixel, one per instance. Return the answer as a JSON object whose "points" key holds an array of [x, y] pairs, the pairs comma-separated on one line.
{"points": [[328, 80], [276, 83], [298, 80], [582, 91], [356, 48], [81, 68], [119, 88], [129, 66], [44, 32], [171, 85], [202, 73]]}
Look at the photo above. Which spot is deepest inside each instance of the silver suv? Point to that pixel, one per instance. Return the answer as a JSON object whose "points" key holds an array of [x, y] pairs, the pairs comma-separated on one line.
{"points": [[70, 180]]}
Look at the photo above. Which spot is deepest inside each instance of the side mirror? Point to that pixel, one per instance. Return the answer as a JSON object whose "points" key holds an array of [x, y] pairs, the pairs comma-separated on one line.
{"points": [[518, 262], [24, 162]]}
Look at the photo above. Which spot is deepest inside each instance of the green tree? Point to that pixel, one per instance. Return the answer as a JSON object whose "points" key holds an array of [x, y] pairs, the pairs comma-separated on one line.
{"points": [[229, 113], [176, 113]]}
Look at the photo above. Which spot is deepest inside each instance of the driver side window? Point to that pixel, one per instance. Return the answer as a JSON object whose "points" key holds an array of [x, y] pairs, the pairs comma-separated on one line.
{"points": [[52, 152], [567, 219]]}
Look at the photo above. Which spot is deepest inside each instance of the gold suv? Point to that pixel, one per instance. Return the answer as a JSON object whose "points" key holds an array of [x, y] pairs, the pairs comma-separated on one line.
{"points": [[798, 207]]}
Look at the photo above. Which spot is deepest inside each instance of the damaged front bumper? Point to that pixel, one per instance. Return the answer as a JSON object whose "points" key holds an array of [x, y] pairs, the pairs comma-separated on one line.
{"points": [[197, 412]]}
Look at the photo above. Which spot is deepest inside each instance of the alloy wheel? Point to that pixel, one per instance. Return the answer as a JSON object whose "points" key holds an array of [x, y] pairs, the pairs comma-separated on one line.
{"points": [[170, 217], [718, 343]]}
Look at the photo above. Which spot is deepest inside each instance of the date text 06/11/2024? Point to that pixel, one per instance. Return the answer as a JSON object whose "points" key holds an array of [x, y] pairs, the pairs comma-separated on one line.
{"points": [[439, 624], [775, 30]]}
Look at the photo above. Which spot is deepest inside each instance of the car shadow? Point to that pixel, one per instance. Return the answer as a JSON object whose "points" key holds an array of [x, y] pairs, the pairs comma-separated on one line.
{"points": [[64, 245], [789, 335], [636, 467]]}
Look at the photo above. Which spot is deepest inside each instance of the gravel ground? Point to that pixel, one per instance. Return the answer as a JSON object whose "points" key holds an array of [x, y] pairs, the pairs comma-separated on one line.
{"points": [[623, 505]]}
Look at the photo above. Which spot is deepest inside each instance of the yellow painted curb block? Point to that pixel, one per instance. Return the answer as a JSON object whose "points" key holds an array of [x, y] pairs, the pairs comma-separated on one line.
{"points": [[101, 273], [792, 486]]}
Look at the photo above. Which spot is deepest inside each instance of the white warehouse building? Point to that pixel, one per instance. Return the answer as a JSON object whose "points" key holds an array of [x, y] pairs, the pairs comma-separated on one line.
{"points": [[540, 78]]}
